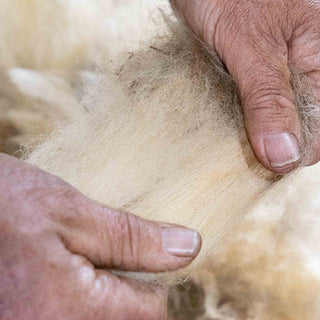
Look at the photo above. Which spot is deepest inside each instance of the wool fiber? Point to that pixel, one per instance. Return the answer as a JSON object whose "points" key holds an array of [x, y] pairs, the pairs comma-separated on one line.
{"points": [[162, 140], [158, 132], [56, 47]]}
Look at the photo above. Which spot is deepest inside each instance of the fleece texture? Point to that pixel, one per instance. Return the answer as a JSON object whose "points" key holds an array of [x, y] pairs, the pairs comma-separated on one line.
{"points": [[157, 131]]}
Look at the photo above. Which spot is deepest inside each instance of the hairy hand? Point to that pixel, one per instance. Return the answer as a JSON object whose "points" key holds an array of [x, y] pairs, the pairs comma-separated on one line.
{"points": [[56, 244], [258, 42]]}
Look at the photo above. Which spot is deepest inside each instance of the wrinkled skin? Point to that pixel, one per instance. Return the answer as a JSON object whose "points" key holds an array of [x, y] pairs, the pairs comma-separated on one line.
{"points": [[258, 40], [55, 243]]}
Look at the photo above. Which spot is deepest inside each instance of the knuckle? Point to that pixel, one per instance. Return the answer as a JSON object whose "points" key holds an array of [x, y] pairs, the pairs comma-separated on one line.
{"points": [[258, 87], [264, 34], [27, 196], [269, 105], [49, 200], [34, 185], [125, 238], [59, 203]]}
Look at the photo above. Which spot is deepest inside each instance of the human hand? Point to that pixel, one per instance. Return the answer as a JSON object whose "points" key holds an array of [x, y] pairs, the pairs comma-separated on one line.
{"points": [[258, 41], [55, 243]]}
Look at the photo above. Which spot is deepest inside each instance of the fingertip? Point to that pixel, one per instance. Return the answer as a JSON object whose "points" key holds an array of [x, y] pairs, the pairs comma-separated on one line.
{"points": [[282, 151], [275, 133], [181, 242], [279, 152]]}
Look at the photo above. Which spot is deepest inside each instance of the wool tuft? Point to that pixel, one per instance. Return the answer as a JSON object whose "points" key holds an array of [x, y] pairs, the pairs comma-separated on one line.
{"points": [[158, 132]]}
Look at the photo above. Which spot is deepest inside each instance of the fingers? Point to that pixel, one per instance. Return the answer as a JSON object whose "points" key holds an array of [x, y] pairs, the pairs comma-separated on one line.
{"points": [[270, 114], [255, 41], [111, 297], [119, 240], [271, 117], [143, 301], [103, 295]]}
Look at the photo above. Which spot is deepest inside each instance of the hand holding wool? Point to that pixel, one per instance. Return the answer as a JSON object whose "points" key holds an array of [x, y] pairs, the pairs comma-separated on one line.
{"points": [[259, 42], [56, 243]]}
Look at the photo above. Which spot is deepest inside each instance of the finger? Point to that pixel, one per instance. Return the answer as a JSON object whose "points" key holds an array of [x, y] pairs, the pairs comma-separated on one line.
{"points": [[119, 240], [143, 301], [107, 296], [270, 114]]}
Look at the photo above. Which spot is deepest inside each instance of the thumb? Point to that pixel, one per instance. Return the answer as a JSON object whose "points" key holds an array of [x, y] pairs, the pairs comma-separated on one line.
{"points": [[270, 115], [114, 239]]}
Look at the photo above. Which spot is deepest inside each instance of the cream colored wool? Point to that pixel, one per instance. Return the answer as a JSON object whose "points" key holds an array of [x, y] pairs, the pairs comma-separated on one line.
{"points": [[270, 268], [43, 44], [45, 47], [52, 34], [261, 274], [160, 137], [66, 34], [30, 103], [161, 140]]}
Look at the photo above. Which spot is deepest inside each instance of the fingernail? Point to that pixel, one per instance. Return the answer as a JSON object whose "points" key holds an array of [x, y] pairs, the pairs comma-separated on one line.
{"points": [[180, 242], [281, 149]]}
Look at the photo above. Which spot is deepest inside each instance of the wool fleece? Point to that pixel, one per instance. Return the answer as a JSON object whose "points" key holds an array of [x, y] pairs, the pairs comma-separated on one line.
{"points": [[158, 132], [57, 45]]}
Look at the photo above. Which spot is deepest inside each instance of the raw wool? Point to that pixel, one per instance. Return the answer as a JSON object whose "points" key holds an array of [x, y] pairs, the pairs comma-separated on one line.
{"points": [[162, 140], [66, 34], [52, 34], [308, 110], [133, 22], [7, 130], [269, 268], [301, 217], [262, 274], [30, 103], [57, 45], [186, 301], [39, 64]]}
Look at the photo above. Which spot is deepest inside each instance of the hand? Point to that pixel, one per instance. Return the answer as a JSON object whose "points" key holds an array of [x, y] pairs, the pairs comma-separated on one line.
{"points": [[258, 41], [55, 243]]}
